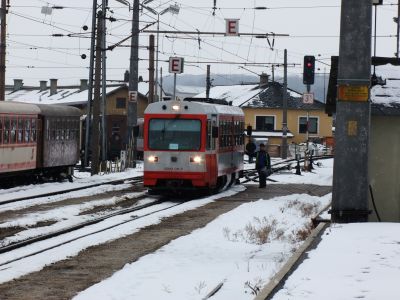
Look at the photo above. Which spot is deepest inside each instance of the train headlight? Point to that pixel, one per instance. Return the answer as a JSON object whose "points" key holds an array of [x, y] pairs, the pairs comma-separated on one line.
{"points": [[175, 107], [196, 159], [152, 159]]}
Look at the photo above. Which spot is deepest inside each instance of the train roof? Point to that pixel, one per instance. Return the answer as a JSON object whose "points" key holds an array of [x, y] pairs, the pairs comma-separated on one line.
{"points": [[186, 107], [18, 108], [58, 110]]}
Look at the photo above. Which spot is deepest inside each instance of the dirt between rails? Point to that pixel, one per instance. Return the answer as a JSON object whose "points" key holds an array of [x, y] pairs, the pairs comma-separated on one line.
{"points": [[64, 279], [11, 214], [124, 202]]}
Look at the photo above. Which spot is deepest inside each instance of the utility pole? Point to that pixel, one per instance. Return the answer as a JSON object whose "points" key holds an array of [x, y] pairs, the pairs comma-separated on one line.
{"points": [[133, 84], [103, 83], [273, 72], [3, 49], [398, 29], [90, 89], [285, 104], [96, 100], [208, 81], [353, 115], [151, 68]]}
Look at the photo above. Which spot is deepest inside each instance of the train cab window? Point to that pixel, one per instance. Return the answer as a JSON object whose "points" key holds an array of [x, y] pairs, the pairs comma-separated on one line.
{"points": [[13, 131], [67, 129], [174, 134]]}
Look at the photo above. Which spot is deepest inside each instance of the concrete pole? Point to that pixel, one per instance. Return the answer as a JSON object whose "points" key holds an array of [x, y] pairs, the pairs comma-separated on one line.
{"points": [[156, 97], [151, 69], [208, 81], [3, 50], [174, 94], [350, 173], [398, 30], [96, 100], [90, 87], [133, 85], [103, 85], [285, 107]]}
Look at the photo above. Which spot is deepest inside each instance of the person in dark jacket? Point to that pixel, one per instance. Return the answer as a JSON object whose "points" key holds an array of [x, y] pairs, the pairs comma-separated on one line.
{"points": [[250, 150], [263, 165]]}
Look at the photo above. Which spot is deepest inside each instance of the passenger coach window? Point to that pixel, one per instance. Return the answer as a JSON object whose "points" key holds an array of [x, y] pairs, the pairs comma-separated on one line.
{"points": [[20, 130], [27, 130], [1, 130], [33, 131], [13, 133], [174, 134], [6, 130]]}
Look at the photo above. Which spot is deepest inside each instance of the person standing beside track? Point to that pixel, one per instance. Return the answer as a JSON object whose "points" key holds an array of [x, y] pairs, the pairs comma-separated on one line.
{"points": [[251, 149], [263, 165]]}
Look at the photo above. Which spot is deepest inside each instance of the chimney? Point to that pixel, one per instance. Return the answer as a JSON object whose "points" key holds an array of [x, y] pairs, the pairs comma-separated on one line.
{"points": [[18, 83], [53, 87], [84, 85], [43, 85], [263, 79]]}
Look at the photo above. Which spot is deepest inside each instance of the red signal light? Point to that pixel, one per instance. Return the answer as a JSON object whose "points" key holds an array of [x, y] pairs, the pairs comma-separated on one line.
{"points": [[309, 65]]}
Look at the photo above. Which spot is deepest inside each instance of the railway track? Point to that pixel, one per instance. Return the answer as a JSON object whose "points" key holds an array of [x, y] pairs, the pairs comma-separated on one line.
{"points": [[252, 175], [31, 241], [133, 180]]}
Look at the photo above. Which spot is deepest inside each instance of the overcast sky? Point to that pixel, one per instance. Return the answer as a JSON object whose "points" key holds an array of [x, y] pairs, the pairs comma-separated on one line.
{"points": [[313, 25]]}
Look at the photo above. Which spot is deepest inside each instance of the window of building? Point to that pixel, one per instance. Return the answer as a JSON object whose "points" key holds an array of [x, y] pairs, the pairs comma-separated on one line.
{"points": [[312, 125], [121, 103], [265, 123]]}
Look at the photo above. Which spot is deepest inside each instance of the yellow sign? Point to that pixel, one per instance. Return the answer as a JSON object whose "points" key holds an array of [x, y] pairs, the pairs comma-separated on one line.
{"points": [[352, 128], [353, 93]]}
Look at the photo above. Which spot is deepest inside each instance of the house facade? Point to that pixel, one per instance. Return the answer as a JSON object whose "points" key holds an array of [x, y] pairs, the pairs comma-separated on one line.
{"points": [[263, 108]]}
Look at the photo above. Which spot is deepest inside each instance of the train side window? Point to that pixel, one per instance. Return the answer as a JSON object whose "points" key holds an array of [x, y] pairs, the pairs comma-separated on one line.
{"points": [[6, 130], [20, 130], [27, 131], [13, 131], [67, 128], [1, 130], [209, 134], [33, 131]]}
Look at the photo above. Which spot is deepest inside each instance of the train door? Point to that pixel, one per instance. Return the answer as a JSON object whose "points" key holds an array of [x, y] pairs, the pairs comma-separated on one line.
{"points": [[42, 133], [212, 163]]}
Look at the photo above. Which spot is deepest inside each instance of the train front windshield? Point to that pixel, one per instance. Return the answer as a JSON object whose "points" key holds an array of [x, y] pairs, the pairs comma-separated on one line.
{"points": [[174, 134]]}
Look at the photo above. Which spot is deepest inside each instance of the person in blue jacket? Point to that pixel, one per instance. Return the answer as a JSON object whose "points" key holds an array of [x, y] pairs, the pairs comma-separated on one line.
{"points": [[263, 165]]}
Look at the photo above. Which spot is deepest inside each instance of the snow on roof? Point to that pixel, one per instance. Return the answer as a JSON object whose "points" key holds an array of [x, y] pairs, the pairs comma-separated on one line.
{"points": [[269, 134], [67, 96], [238, 94], [190, 89], [387, 95]]}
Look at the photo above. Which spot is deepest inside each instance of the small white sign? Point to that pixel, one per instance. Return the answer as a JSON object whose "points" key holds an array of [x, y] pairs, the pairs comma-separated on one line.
{"points": [[133, 95], [176, 65], [232, 27], [308, 98], [47, 10]]}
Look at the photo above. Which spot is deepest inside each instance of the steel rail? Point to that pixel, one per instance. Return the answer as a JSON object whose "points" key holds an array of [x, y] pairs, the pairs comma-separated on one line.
{"points": [[114, 182], [77, 227]]}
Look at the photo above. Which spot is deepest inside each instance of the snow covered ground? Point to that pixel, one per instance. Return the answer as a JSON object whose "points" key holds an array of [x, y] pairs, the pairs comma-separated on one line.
{"points": [[353, 261], [241, 250]]}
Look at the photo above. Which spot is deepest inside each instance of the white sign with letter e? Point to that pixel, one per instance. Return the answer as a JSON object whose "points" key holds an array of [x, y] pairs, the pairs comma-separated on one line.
{"points": [[232, 26], [176, 65], [133, 95], [308, 98]]}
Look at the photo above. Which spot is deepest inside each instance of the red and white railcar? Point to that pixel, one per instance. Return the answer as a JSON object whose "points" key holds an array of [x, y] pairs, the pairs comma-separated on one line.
{"points": [[192, 145], [18, 136]]}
